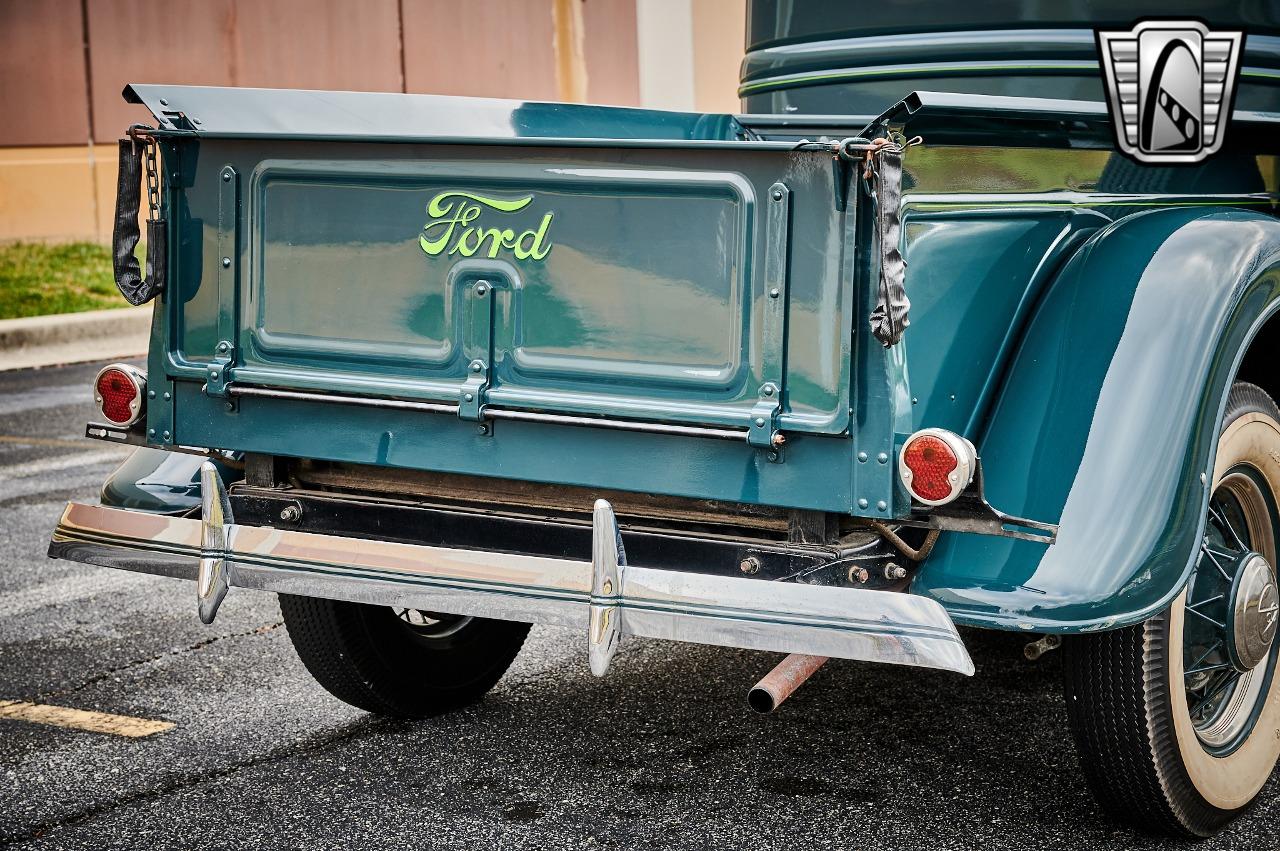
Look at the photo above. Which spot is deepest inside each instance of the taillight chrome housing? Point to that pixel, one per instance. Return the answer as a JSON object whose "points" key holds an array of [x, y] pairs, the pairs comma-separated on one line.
{"points": [[936, 465], [120, 391]]}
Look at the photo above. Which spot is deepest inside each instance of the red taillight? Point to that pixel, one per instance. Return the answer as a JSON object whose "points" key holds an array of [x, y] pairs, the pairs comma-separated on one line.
{"points": [[930, 462], [936, 465], [118, 391]]}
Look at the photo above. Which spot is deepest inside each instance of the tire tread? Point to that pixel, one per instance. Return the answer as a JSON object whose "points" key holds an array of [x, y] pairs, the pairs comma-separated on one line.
{"points": [[1120, 713], [370, 667]]}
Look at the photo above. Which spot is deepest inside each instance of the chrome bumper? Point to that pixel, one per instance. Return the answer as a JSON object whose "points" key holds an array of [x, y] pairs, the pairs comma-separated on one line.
{"points": [[606, 594]]}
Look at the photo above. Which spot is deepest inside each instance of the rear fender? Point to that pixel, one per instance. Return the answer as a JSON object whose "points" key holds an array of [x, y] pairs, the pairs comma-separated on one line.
{"points": [[1107, 423], [161, 482]]}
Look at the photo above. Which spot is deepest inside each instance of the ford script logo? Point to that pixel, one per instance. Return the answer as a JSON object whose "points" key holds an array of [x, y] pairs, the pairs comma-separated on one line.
{"points": [[455, 227], [1170, 85]]}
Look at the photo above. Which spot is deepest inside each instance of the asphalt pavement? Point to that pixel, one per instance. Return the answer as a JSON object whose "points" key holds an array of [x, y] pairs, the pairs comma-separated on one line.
{"points": [[662, 753]]}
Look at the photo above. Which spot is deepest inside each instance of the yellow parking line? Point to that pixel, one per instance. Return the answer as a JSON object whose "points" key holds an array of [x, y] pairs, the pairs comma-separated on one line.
{"points": [[77, 443], [81, 719]]}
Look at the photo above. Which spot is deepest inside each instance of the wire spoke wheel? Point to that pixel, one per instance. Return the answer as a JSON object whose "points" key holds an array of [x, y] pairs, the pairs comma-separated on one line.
{"points": [[431, 624], [1223, 690], [1177, 719]]}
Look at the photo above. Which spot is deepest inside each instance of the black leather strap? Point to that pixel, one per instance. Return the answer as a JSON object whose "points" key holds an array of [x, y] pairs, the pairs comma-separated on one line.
{"points": [[129, 280], [890, 316]]}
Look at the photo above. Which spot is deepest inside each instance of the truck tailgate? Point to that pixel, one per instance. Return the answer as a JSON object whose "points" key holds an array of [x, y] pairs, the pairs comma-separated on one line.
{"points": [[488, 259]]}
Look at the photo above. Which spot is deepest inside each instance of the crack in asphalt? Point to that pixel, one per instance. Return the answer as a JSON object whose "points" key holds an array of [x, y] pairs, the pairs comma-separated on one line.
{"points": [[185, 780], [354, 731], [137, 663]]}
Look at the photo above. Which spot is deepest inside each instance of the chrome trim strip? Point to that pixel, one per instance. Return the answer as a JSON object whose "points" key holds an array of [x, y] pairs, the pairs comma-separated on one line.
{"points": [[333, 398], [616, 425], [492, 413], [606, 595]]}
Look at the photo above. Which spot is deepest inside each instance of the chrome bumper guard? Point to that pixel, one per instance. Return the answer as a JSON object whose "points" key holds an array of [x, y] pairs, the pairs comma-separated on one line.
{"points": [[607, 595]]}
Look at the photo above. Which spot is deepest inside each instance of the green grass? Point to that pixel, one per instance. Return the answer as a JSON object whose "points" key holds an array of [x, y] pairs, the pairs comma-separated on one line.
{"points": [[38, 279]]}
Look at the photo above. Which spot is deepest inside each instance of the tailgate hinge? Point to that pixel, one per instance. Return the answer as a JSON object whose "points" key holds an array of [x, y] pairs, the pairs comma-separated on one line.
{"points": [[471, 395], [217, 372], [763, 432]]}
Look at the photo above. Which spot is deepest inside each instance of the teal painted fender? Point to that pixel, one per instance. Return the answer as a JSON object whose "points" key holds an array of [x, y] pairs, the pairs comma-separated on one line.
{"points": [[160, 482], [1107, 423]]}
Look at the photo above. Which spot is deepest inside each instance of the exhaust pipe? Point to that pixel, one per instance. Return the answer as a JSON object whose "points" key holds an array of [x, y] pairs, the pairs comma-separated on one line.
{"points": [[777, 685]]}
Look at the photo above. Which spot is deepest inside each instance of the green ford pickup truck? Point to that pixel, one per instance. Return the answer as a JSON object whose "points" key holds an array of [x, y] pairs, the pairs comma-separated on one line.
{"points": [[923, 338]]}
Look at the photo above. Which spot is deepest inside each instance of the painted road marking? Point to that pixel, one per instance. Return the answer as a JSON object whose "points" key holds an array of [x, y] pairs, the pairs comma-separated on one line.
{"points": [[76, 443], [82, 719]]}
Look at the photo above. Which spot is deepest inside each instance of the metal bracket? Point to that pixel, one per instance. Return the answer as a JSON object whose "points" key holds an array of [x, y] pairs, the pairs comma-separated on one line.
{"points": [[218, 371], [471, 396], [131, 436], [970, 512], [762, 431], [608, 561], [214, 576], [478, 346]]}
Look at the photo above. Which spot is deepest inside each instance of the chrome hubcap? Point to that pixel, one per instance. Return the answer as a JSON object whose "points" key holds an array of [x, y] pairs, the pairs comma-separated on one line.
{"points": [[1253, 612]]}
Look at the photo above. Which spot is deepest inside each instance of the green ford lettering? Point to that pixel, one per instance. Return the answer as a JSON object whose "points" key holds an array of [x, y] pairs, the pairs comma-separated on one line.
{"points": [[452, 228]]}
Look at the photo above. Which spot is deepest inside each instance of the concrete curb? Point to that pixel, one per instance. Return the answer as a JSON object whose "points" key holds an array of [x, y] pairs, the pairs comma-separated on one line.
{"points": [[39, 341]]}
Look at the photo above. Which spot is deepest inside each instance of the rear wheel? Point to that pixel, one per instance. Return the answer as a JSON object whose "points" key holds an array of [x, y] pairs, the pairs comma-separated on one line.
{"points": [[1177, 720], [400, 662]]}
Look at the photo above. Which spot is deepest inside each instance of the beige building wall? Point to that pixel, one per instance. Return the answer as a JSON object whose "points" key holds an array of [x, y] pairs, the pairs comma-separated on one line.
{"points": [[63, 64], [719, 43], [690, 52], [49, 193]]}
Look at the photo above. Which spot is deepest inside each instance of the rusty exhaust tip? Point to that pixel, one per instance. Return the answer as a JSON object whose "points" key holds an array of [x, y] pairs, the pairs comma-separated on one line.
{"points": [[780, 683], [761, 700]]}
